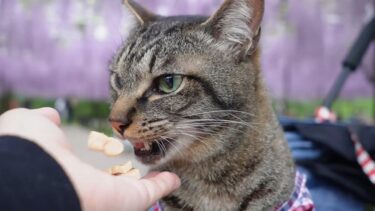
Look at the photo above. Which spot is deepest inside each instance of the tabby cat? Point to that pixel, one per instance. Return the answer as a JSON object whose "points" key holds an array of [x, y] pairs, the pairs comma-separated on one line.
{"points": [[187, 92]]}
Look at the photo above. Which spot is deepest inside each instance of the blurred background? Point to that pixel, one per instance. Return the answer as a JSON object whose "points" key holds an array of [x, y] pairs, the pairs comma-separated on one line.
{"points": [[56, 53]]}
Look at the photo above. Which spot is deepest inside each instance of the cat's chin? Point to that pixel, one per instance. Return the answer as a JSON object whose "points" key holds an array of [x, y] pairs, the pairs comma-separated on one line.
{"points": [[149, 159]]}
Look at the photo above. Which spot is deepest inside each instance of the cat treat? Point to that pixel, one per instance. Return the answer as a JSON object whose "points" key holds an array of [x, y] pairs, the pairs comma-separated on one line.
{"points": [[120, 169], [125, 170], [112, 147], [96, 141], [100, 142], [135, 173]]}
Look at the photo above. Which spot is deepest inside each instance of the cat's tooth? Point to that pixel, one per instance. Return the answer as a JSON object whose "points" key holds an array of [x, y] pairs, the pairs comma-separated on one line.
{"points": [[147, 146]]}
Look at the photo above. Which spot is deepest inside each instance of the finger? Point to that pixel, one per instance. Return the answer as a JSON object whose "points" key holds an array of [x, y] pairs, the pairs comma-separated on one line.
{"points": [[10, 118], [139, 195], [50, 113], [160, 186], [33, 125]]}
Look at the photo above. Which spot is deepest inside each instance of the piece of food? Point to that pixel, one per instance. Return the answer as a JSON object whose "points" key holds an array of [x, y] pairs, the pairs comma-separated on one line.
{"points": [[96, 141], [113, 147], [120, 169], [125, 170], [133, 173], [100, 142]]}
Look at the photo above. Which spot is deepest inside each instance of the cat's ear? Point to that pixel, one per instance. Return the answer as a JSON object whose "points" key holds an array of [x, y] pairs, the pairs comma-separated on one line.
{"points": [[142, 15], [236, 25]]}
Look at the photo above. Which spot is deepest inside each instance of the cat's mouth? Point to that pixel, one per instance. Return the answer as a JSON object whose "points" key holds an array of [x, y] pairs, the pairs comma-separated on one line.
{"points": [[150, 151]]}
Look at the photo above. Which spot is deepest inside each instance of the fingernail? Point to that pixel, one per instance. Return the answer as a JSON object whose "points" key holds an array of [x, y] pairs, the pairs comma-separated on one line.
{"points": [[177, 181]]}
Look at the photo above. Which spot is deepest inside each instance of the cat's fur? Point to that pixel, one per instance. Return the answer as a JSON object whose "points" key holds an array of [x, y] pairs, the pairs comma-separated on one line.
{"points": [[228, 148]]}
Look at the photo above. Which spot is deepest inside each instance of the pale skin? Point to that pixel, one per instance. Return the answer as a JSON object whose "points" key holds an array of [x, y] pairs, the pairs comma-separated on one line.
{"points": [[96, 189]]}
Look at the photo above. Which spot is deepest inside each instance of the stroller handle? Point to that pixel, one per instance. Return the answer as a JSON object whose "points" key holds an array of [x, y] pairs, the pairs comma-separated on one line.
{"points": [[351, 61], [358, 50]]}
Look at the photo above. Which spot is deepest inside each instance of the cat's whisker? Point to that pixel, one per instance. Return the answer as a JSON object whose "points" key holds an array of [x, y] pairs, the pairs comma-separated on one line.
{"points": [[212, 127], [209, 129], [182, 143], [236, 117], [199, 136], [193, 136], [219, 121], [182, 133], [162, 146], [220, 111], [211, 123], [208, 147], [231, 113], [209, 132], [157, 142], [165, 149], [172, 144]]}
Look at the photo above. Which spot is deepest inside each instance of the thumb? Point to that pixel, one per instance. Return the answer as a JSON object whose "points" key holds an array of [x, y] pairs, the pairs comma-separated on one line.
{"points": [[50, 114], [160, 185], [150, 190]]}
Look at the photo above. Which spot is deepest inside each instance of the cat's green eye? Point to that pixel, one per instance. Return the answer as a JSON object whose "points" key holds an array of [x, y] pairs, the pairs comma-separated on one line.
{"points": [[169, 83]]}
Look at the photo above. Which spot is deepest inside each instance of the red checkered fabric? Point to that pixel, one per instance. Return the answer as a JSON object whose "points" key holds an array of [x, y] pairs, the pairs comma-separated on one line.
{"points": [[156, 207], [300, 200]]}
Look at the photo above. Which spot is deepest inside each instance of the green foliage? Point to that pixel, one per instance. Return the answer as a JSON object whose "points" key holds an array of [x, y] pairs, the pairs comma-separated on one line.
{"points": [[91, 114], [4, 101], [82, 110], [345, 109], [91, 109], [300, 109], [361, 108], [39, 102]]}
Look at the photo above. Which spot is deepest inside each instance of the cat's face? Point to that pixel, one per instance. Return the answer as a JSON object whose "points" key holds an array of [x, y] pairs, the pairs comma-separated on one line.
{"points": [[177, 82]]}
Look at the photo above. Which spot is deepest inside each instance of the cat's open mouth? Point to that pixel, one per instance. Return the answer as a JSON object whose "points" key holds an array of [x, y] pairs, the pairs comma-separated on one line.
{"points": [[150, 151]]}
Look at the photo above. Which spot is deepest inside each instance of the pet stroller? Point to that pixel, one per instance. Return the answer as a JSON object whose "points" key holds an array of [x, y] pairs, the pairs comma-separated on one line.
{"points": [[337, 158]]}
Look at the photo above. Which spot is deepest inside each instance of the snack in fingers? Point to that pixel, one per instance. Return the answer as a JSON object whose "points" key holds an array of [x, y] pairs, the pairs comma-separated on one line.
{"points": [[113, 147], [96, 141], [100, 142]]}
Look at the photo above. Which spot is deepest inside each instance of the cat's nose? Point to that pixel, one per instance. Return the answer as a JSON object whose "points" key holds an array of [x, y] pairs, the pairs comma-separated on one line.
{"points": [[120, 126]]}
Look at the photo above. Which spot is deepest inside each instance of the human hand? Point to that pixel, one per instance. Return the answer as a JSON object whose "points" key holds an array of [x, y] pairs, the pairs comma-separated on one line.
{"points": [[96, 189]]}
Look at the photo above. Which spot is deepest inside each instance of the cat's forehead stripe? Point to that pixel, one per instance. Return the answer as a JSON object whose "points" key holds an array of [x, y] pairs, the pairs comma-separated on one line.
{"points": [[136, 55], [128, 48], [125, 51], [152, 62], [147, 39]]}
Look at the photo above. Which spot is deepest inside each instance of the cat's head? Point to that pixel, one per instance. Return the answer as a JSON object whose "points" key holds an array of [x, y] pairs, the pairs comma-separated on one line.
{"points": [[178, 82]]}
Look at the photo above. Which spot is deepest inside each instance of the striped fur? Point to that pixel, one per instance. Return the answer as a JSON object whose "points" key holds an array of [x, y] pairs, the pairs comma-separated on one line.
{"points": [[227, 146]]}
